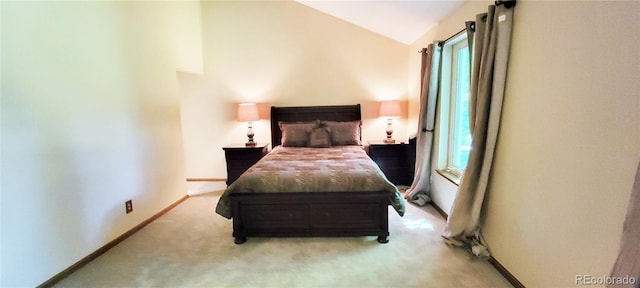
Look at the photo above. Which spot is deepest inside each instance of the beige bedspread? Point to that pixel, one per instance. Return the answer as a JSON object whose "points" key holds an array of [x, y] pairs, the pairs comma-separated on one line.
{"points": [[301, 169]]}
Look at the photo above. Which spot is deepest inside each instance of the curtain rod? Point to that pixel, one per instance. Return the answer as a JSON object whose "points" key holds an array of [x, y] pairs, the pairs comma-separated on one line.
{"points": [[440, 43], [452, 36], [507, 3]]}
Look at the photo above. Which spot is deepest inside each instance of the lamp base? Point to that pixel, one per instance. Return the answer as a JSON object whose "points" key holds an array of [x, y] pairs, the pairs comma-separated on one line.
{"points": [[250, 134], [389, 131]]}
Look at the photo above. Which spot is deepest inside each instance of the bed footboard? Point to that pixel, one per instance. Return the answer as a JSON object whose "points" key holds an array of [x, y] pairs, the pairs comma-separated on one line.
{"points": [[304, 214]]}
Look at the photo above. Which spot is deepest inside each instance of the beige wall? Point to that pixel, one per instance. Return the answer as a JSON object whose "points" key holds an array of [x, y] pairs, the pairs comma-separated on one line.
{"points": [[283, 54], [90, 119], [569, 140]]}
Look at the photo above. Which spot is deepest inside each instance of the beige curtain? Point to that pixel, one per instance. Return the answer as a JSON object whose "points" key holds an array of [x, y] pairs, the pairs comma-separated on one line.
{"points": [[628, 263], [490, 51], [418, 193]]}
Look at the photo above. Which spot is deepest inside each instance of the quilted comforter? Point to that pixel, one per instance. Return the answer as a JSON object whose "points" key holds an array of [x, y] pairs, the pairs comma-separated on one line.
{"points": [[302, 169]]}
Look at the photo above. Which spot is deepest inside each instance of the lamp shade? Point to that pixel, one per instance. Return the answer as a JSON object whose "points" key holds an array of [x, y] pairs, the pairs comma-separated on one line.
{"points": [[248, 112], [390, 109]]}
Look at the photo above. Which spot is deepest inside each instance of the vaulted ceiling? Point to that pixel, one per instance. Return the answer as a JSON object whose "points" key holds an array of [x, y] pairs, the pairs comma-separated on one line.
{"points": [[403, 21]]}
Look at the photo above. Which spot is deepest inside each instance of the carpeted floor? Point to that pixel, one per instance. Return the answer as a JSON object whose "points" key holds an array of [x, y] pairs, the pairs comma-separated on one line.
{"points": [[191, 246]]}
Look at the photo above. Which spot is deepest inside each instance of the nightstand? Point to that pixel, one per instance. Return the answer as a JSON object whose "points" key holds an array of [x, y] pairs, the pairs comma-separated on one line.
{"points": [[240, 158], [395, 160]]}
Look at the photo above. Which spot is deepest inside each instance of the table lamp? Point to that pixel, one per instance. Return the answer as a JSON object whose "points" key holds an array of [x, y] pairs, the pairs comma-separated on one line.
{"points": [[248, 112], [390, 110]]}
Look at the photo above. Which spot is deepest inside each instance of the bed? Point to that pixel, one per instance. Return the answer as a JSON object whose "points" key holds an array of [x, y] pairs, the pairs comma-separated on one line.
{"points": [[302, 191]]}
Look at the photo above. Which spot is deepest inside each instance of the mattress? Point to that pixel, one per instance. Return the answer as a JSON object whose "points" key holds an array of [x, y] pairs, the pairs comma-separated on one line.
{"points": [[302, 169]]}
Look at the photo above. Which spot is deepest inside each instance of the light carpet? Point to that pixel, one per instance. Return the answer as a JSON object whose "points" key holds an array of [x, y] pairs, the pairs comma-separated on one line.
{"points": [[191, 246]]}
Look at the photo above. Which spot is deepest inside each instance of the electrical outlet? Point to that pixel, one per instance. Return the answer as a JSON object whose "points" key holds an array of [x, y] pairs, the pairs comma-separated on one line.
{"points": [[128, 206]]}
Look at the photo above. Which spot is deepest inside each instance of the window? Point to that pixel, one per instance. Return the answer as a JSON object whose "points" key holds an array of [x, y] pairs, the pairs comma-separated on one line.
{"points": [[455, 87]]}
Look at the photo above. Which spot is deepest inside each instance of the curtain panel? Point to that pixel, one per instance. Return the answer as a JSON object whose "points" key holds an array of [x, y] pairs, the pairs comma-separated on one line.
{"points": [[419, 191], [628, 262], [490, 52]]}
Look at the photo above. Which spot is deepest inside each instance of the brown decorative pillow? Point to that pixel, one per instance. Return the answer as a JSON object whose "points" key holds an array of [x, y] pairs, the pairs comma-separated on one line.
{"points": [[344, 133], [296, 134], [320, 138]]}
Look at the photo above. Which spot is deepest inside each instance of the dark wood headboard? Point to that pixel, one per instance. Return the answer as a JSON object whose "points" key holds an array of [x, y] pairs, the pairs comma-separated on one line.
{"points": [[310, 113]]}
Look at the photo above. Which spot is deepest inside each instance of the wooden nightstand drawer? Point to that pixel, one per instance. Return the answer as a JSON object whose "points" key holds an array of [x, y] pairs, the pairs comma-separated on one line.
{"points": [[244, 154], [395, 161], [240, 158]]}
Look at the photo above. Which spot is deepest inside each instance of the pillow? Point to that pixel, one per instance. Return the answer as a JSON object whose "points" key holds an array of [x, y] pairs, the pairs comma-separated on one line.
{"points": [[320, 138], [344, 133], [296, 134]]}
